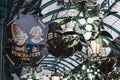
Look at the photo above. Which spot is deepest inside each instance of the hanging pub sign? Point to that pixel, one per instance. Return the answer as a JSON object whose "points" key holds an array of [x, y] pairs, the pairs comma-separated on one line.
{"points": [[29, 36]]}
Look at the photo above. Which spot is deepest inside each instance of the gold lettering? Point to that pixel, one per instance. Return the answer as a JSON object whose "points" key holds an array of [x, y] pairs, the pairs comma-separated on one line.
{"points": [[22, 49], [23, 55], [26, 59], [26, 55], [33, 55], [19, 54]]}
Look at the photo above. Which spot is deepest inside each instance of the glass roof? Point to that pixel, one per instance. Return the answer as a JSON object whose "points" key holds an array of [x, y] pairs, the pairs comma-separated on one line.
{"points": [[52, 12], [53, 9]]}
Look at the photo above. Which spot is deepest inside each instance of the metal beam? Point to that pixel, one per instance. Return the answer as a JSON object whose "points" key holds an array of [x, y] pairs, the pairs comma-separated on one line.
{"points": [[31, 4], [17, 9], [8, 12], [48, 4], [2, 9], [112, 28], [113, 4]]}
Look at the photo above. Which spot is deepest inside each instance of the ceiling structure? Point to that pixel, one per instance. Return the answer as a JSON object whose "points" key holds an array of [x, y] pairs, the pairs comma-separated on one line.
{"points": [[50, 11]]}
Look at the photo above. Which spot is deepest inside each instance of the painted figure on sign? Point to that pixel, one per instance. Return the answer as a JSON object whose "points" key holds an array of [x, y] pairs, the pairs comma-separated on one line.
{"points": [[36, 33], [19, 36]]}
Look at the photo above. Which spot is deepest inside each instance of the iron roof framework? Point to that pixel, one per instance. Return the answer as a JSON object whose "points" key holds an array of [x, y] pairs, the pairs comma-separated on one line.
{"points": [[48, 9]]}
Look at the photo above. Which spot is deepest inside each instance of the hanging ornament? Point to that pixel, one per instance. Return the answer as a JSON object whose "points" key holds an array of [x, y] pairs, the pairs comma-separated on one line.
{"points": [[57, 43]]}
